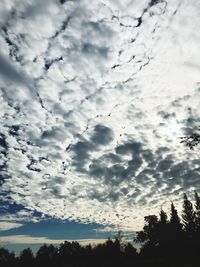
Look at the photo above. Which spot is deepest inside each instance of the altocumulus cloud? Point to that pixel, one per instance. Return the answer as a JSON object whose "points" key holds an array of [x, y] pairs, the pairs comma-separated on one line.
{"points": [[94, 97]]}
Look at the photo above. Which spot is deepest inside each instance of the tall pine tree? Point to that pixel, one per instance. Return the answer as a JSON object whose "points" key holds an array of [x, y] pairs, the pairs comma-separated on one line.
{"points": [[175, 222], [197, 212], [163, 217], [163, 233], [175, 247], [188, 217]]}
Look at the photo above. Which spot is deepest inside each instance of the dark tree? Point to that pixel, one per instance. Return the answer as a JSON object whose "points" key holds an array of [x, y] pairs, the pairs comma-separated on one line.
{"points": [[176, 235], [6, 258], [197, 225], [163, 217], [26, 257], [175, 222], [149, 233], [188, 217], [46, 255], [197, 211], [130, 252], [164, 242], [148, 237], [163, 229], [191, 140]]}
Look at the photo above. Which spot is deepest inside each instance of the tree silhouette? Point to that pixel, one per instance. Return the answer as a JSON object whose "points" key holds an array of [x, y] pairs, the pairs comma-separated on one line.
{"points": [[46, 255], [175, 222], [148, 236], [164, 242], [197, 212], [191, 140], [197, 226], [130, 252], [188, 217], [176, 236], [26, 258], [7, 258], [163, 233]]}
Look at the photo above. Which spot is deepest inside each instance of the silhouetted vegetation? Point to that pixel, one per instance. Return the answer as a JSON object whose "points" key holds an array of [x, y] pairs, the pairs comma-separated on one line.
{"points": [[166, 240], [191, 140]]}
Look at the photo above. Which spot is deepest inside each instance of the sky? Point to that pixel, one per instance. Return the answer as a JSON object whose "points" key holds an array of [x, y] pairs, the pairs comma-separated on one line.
{"points": [[94, 97]]}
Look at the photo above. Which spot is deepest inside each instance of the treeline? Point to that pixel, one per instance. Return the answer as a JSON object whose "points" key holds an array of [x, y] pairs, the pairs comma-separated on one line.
{"points": [[174, 241], [165, 242]]}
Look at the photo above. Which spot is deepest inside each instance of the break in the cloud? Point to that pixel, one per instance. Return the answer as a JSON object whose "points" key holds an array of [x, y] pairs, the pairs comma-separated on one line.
{"points": [[23, 239], [94, 97]]}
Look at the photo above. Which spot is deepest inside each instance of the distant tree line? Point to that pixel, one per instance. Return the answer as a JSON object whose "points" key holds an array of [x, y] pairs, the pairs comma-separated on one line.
{"points": [[165, 242]]}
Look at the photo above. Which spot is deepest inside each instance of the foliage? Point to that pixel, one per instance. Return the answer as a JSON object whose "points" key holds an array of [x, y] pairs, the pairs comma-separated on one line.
{"points": [[188, 216], [176, 239], [172, 241], [191, 140]]}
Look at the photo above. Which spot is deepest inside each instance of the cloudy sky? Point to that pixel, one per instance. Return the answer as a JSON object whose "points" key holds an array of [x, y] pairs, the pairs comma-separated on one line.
{"points": [[94, 96]]}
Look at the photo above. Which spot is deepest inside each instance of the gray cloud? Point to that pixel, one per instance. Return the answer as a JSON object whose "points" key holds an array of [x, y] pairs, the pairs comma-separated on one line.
{"points": [[102, 135], [90, 122], [9, 72]]}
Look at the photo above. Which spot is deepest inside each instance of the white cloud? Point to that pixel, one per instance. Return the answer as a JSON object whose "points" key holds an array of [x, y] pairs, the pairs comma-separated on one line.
{"points": [[9, 225], [109, 91], [25, 239]]}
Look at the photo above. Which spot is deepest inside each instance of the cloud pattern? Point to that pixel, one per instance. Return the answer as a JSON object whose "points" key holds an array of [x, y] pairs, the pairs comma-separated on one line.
{"points": [[94, 98]]}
